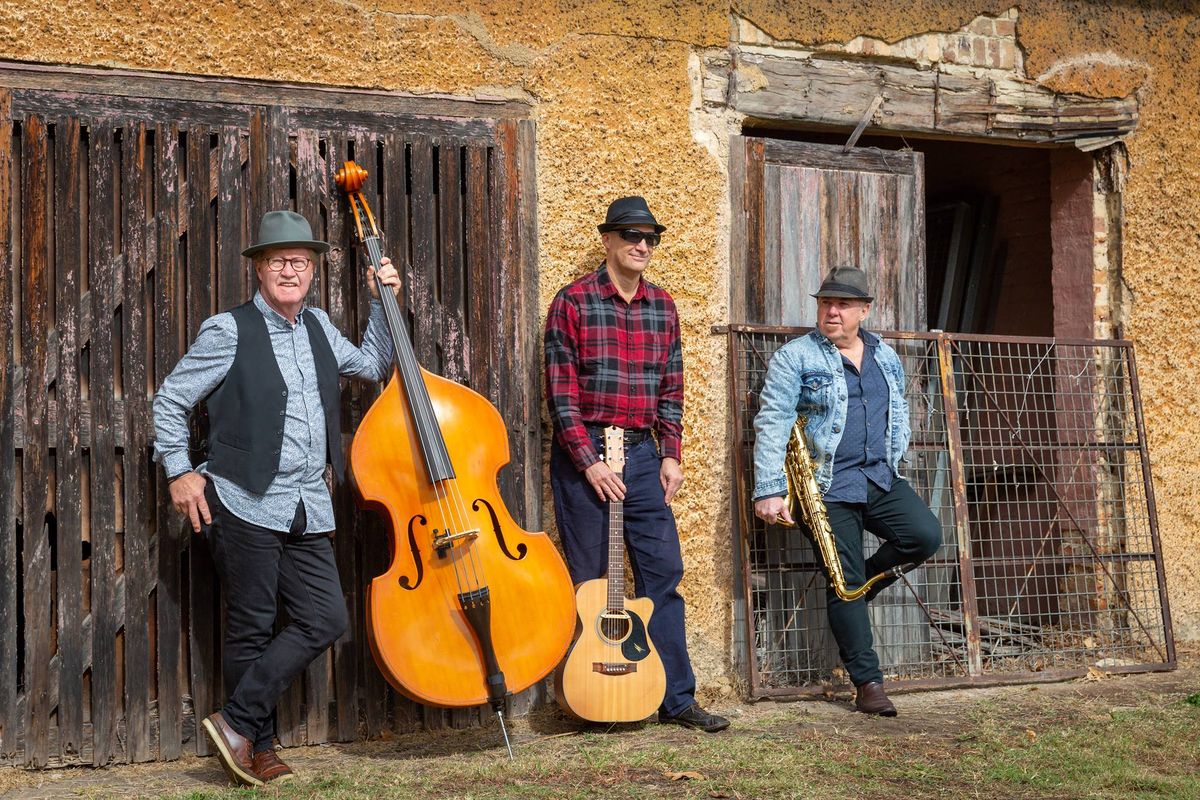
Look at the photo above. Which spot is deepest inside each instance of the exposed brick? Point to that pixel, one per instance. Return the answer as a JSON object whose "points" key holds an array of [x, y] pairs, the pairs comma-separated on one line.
{"points": [[1008, 54], [1006, 27], [979, 52], [993, 52], [982, 26]]}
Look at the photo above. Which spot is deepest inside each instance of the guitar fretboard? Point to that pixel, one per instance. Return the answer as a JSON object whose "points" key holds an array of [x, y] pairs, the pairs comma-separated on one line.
{"points": [[616, 556]]}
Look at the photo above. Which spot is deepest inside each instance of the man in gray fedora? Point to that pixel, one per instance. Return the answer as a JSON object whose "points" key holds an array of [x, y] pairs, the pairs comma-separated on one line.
{"points": [[268, 372], [850, 385]]}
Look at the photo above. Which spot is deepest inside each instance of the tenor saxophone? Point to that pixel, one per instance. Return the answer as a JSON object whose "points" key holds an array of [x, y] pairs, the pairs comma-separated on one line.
{"points": [[805, 503]]}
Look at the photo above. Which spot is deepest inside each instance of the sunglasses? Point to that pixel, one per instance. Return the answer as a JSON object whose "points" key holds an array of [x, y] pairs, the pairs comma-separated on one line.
{"points": [[636, 237]]}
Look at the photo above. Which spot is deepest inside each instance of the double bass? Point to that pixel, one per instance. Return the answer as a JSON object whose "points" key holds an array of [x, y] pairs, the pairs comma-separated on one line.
{"points": [[472, 607]]}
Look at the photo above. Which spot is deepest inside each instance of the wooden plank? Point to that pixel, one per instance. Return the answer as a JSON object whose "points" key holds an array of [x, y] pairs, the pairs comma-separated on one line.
{"points": [[824, 156], [451, 277], [10, 725], [311, 183], [424, 252], [202, 580], [772, 272], [833, 92], [344, 275], [754, 277], [201, 89], [269, 169], [479, 278], [169, 324], [36, 319], [137, 469], [233, 271], [507, 288], [102, 226], [69, 266], [528, 454]]}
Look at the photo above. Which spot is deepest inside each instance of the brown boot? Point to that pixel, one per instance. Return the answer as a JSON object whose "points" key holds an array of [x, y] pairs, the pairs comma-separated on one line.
{"points": [[270, 767], [871, 699], [234, 751]]}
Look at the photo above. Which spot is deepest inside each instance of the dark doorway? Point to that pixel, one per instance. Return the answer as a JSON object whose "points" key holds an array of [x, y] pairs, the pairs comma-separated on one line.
{"points": [[1008, 234]]}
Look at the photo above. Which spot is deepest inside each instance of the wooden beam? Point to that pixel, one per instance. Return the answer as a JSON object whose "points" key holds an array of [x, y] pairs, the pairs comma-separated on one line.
{"points": [[820, 90]]}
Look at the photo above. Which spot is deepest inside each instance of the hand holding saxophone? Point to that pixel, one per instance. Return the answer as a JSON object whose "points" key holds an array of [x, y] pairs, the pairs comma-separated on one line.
{"points": [[772, 510]]}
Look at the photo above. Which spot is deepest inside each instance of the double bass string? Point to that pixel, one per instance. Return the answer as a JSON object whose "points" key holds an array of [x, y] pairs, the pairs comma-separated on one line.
{"points": [[451, 505]]}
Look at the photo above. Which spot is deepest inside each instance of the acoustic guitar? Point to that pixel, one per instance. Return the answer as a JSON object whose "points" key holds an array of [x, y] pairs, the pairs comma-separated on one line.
{"points": [[612, 673]]}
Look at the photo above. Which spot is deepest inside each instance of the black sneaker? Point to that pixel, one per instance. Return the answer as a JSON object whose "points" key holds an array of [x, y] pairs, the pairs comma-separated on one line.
{"points": [[696, 717]]}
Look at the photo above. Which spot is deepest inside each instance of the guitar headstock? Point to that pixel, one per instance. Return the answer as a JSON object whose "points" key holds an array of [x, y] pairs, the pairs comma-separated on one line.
{"points": [[614, 448]]}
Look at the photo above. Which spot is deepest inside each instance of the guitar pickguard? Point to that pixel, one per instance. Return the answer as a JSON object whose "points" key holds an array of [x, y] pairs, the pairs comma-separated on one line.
{"points": [[637, 646]]}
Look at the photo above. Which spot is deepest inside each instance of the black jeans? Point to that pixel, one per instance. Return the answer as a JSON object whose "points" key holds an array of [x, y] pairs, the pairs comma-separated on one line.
{"points": [[911, 534], [257, 565]]}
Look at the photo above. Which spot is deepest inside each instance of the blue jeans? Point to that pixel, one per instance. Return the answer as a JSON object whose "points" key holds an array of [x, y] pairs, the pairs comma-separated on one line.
{"points": [[651, 540], [910, 533]]}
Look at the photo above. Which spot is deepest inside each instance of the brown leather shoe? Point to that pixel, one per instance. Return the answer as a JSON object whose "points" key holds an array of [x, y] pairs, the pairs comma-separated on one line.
{"points": [[871, 699], [235, 751], [270, 767]]}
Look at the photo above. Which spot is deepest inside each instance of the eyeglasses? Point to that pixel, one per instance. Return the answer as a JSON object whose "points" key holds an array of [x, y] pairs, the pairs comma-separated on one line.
{"points": [[297, 264], [636, 237]]}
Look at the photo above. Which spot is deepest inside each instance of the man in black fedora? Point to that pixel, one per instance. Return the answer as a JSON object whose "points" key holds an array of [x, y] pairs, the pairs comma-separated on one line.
{"points": [[850, 385], [268, 372], [613, 357]]}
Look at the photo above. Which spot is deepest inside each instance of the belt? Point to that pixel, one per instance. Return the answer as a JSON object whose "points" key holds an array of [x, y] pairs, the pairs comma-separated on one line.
{"points": [[632, 435]]}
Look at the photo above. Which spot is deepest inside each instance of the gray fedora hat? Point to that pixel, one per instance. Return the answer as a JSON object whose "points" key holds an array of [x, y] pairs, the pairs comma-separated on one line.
{"points": [[847, 282], [626, 211], [284, 229]]}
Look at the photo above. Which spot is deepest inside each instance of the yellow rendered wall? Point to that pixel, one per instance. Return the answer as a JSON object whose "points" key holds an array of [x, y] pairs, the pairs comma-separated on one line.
{"points": [[611, 92]]}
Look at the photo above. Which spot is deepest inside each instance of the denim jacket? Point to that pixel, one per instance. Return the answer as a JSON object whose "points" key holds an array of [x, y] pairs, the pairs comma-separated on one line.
{"points": [[805, 376]]}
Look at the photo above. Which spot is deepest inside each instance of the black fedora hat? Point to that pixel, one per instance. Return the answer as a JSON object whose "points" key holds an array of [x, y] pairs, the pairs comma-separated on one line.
{"points": [[626, 211], [284, 229], [847, 282]]}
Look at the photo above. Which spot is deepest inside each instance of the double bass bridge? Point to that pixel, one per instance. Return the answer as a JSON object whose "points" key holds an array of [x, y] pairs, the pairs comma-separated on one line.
{"points": [[444, 540]]}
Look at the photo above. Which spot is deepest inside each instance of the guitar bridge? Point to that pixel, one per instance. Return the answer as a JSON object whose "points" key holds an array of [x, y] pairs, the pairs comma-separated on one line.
{"points": [[613, 668]]}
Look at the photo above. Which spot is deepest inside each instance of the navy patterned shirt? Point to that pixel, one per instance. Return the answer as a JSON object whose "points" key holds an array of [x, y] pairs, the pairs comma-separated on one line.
{"points": [[861, 455], [302, 459]]}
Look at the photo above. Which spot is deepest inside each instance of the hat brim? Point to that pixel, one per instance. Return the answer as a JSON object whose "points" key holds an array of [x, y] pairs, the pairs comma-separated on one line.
{"points": [[308, 244], [605, 227], [866, 298]]}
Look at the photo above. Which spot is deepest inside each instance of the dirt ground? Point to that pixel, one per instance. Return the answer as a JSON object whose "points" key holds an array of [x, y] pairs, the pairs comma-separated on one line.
{"points": [[931, 717]]}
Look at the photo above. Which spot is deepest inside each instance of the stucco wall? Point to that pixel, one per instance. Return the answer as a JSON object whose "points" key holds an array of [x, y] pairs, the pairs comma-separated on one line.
{"points": [[611, 92]]}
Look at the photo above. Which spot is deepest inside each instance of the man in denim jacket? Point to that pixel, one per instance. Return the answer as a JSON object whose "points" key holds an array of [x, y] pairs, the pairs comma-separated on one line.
{"points": [[850, 386]]}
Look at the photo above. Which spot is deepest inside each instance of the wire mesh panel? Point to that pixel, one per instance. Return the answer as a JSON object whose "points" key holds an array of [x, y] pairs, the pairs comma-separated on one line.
{"points": [[1032, 454]]}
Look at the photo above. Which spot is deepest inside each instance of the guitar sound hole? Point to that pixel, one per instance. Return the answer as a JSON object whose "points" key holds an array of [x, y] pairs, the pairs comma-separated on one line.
{"points": [[614, 627]]}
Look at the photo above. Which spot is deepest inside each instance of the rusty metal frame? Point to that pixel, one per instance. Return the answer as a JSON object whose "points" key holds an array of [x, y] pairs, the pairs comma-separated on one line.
{"points": [[953, 365]]}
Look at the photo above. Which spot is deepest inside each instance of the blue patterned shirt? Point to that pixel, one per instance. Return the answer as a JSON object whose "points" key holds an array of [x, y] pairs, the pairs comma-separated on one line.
{"points": [[302, 459]]}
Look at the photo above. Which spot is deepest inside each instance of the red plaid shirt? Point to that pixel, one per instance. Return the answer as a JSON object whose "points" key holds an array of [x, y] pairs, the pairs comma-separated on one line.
{"points": [[609, 362]]}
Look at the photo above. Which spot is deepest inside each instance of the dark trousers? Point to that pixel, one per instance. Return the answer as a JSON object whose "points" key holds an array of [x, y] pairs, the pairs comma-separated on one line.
{"points": [[256, 566], [651, 540], [910, 533]]}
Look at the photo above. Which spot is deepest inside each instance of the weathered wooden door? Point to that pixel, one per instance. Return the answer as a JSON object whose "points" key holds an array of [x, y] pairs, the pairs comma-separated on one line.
{"points": [[801, 209]]}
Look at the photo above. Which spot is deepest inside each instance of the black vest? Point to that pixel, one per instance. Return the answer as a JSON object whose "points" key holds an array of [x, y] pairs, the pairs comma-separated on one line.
{"points": [[246, 411]]}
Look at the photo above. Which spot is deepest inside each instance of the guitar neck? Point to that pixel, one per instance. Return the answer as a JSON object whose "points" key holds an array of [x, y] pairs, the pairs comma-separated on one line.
{"points": [[616, 555]]}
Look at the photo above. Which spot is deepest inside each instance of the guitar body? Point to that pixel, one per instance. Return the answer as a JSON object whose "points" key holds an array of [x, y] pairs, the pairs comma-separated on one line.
{"points": [[612, 672]]}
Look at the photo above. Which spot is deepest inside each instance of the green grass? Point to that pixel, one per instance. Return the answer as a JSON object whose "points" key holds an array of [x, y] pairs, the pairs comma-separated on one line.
{"points": [[991, 750]]}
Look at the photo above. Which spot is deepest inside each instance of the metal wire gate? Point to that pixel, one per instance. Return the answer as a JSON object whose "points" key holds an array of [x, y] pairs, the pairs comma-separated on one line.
{"points": [[1032, 453]]}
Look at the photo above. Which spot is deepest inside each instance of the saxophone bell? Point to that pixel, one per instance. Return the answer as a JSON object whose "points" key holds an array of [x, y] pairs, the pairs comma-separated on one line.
{"points": [[806, 504]]}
